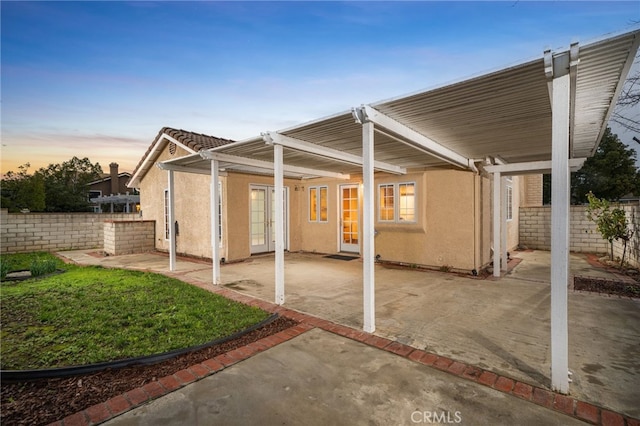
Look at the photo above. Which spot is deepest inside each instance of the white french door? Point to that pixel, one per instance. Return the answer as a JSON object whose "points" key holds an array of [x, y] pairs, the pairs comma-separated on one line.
{"points": [[262, 219], [349, 229]]}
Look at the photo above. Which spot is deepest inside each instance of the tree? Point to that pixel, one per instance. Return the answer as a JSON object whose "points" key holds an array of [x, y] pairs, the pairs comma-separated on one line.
{"points": [[610, 174], [21, 191], [625, 113], [611, 223], [66, 184]]}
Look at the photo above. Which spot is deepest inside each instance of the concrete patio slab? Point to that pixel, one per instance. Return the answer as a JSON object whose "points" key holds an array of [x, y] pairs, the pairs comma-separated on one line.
{"points": [[499, 325], [319, 378]]}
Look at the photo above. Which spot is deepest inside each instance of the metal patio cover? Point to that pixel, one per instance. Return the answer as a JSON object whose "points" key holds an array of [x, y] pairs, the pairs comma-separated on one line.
{"points": [[504, 114]]}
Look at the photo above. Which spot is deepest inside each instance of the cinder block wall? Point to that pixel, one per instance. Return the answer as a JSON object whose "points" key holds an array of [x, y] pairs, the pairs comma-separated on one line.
{"points": [[126, 237], [20, 232], [535, 232]]}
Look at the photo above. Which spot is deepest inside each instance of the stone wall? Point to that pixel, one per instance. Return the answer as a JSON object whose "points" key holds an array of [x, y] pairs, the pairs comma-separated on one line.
{"points": [[535, 232], [26, 232], [130, 236]]}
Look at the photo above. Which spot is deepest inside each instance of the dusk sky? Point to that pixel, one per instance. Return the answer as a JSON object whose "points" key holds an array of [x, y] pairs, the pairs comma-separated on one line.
{"points": [[100, 79]]}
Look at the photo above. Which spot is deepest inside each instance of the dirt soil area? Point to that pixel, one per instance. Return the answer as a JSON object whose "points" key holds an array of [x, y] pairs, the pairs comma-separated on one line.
{"points": [[602, 285], [44, 401]]}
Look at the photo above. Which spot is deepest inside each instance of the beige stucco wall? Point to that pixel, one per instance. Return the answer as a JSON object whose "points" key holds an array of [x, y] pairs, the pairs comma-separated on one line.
{"points": [[453, 210], [192, 208]]}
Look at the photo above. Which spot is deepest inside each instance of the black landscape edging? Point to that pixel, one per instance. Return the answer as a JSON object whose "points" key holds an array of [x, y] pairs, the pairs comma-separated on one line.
{"points": [[54, 373], [30, 277]]}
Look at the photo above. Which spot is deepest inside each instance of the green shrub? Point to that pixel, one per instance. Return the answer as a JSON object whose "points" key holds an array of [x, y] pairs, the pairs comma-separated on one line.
{"points": [[5, 267], [41, 266]]}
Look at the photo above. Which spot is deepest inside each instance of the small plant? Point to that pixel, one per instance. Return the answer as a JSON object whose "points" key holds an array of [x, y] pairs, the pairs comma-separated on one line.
{"points": [[5, 267], [611, 222], [42, 266], [445, 268]]}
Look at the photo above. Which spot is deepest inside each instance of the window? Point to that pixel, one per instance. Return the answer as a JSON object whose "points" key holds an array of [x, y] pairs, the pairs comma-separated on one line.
{"points": [[318, 204], [397, 202], [387, 210], [166, 214], [509, 189]]}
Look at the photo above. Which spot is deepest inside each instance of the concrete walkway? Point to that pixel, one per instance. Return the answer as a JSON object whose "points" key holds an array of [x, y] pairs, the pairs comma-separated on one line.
{"points": [[496, 325]]}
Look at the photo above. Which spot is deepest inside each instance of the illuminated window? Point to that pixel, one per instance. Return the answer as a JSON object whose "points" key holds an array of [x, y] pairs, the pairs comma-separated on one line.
{"points": [[397, 202], [318, 204]]}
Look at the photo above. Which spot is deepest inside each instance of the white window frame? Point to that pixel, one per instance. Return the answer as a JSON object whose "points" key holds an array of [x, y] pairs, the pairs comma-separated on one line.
{"points": [[318, 211], [396, 202], [509, 189]]}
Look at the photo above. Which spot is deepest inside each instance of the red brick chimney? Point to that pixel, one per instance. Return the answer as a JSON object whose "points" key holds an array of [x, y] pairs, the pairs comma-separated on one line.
{"points": [[115, 184]]}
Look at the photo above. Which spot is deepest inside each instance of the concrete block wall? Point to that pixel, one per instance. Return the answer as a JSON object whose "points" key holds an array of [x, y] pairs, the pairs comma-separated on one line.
{"points": [[26, 232], [126, 237], [535, 231]]}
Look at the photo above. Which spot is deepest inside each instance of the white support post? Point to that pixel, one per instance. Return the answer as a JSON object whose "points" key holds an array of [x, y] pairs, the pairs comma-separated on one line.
{"points": [[497, 222], [278, 177], [172, 222], [215, 222], [503, 224], [368, 231], [560, 184]]}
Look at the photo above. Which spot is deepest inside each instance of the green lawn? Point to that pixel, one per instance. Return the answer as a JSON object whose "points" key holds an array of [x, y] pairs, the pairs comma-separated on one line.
{"points": [[91, 314]]}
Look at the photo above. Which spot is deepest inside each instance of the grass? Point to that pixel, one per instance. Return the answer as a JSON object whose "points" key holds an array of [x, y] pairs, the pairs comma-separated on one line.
{"points": [[91, 314]]}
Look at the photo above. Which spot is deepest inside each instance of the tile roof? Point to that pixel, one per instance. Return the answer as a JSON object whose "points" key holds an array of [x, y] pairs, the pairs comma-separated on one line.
{"points": [[192, 140]]}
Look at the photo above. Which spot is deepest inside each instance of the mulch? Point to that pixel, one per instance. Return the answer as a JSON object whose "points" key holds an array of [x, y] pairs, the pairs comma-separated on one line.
{"points": [[606, 286], [44, 401]]}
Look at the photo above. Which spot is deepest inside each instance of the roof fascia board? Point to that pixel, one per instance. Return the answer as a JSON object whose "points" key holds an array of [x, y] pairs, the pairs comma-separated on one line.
{"points": [[177, 142], [184, 169], [135, 180], [234, 159], [531, 167], [325, 152], [623, 77], [415, 139]]}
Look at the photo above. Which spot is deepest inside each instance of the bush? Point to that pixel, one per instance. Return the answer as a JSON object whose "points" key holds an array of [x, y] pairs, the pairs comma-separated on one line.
{"points": [[42, 266], [5, 267]]}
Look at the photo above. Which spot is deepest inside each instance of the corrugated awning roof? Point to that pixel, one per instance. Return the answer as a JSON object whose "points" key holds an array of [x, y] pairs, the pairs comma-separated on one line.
{"points": [[504, 114]]}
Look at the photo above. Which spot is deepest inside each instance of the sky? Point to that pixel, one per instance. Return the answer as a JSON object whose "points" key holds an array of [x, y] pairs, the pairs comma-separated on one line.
{"points": [[100, 79]]}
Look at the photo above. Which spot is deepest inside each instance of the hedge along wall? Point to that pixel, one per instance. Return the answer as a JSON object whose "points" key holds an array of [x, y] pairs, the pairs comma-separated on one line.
{"points": [[535, 232], [26, 232]]}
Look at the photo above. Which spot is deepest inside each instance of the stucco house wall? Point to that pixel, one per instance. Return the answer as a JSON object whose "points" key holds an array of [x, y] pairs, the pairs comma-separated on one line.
{"points": [[452, 227]]}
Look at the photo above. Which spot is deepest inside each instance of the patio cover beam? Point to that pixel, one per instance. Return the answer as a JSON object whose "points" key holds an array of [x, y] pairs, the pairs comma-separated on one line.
{"points": [[183, 169], [496, 211], [171, 217], [215, 221], [412, 138], [532, 167], [563, 68], [330, 153], [278, 177], [234, 159], [368, 230]]}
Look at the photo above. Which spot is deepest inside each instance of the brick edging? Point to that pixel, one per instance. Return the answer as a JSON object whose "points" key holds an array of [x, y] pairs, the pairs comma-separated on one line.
{"points": [[120, 404]]}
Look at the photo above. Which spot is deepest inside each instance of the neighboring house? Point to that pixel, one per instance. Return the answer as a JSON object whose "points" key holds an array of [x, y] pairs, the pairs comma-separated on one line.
{"points": [[435, 218], [111, 193]]}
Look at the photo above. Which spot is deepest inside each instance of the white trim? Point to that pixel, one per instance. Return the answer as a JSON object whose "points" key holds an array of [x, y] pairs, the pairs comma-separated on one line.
{"points": [[172, 221], [368, 229], [531, 167], [325, 152], [396, 203], [496, 239], [414, 139], [560, 186], [209, 155], [278, 178], [215, 222]]}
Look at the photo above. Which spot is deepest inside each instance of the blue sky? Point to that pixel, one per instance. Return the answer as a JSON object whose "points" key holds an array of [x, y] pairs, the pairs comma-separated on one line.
{"points": [[99, 79]]}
